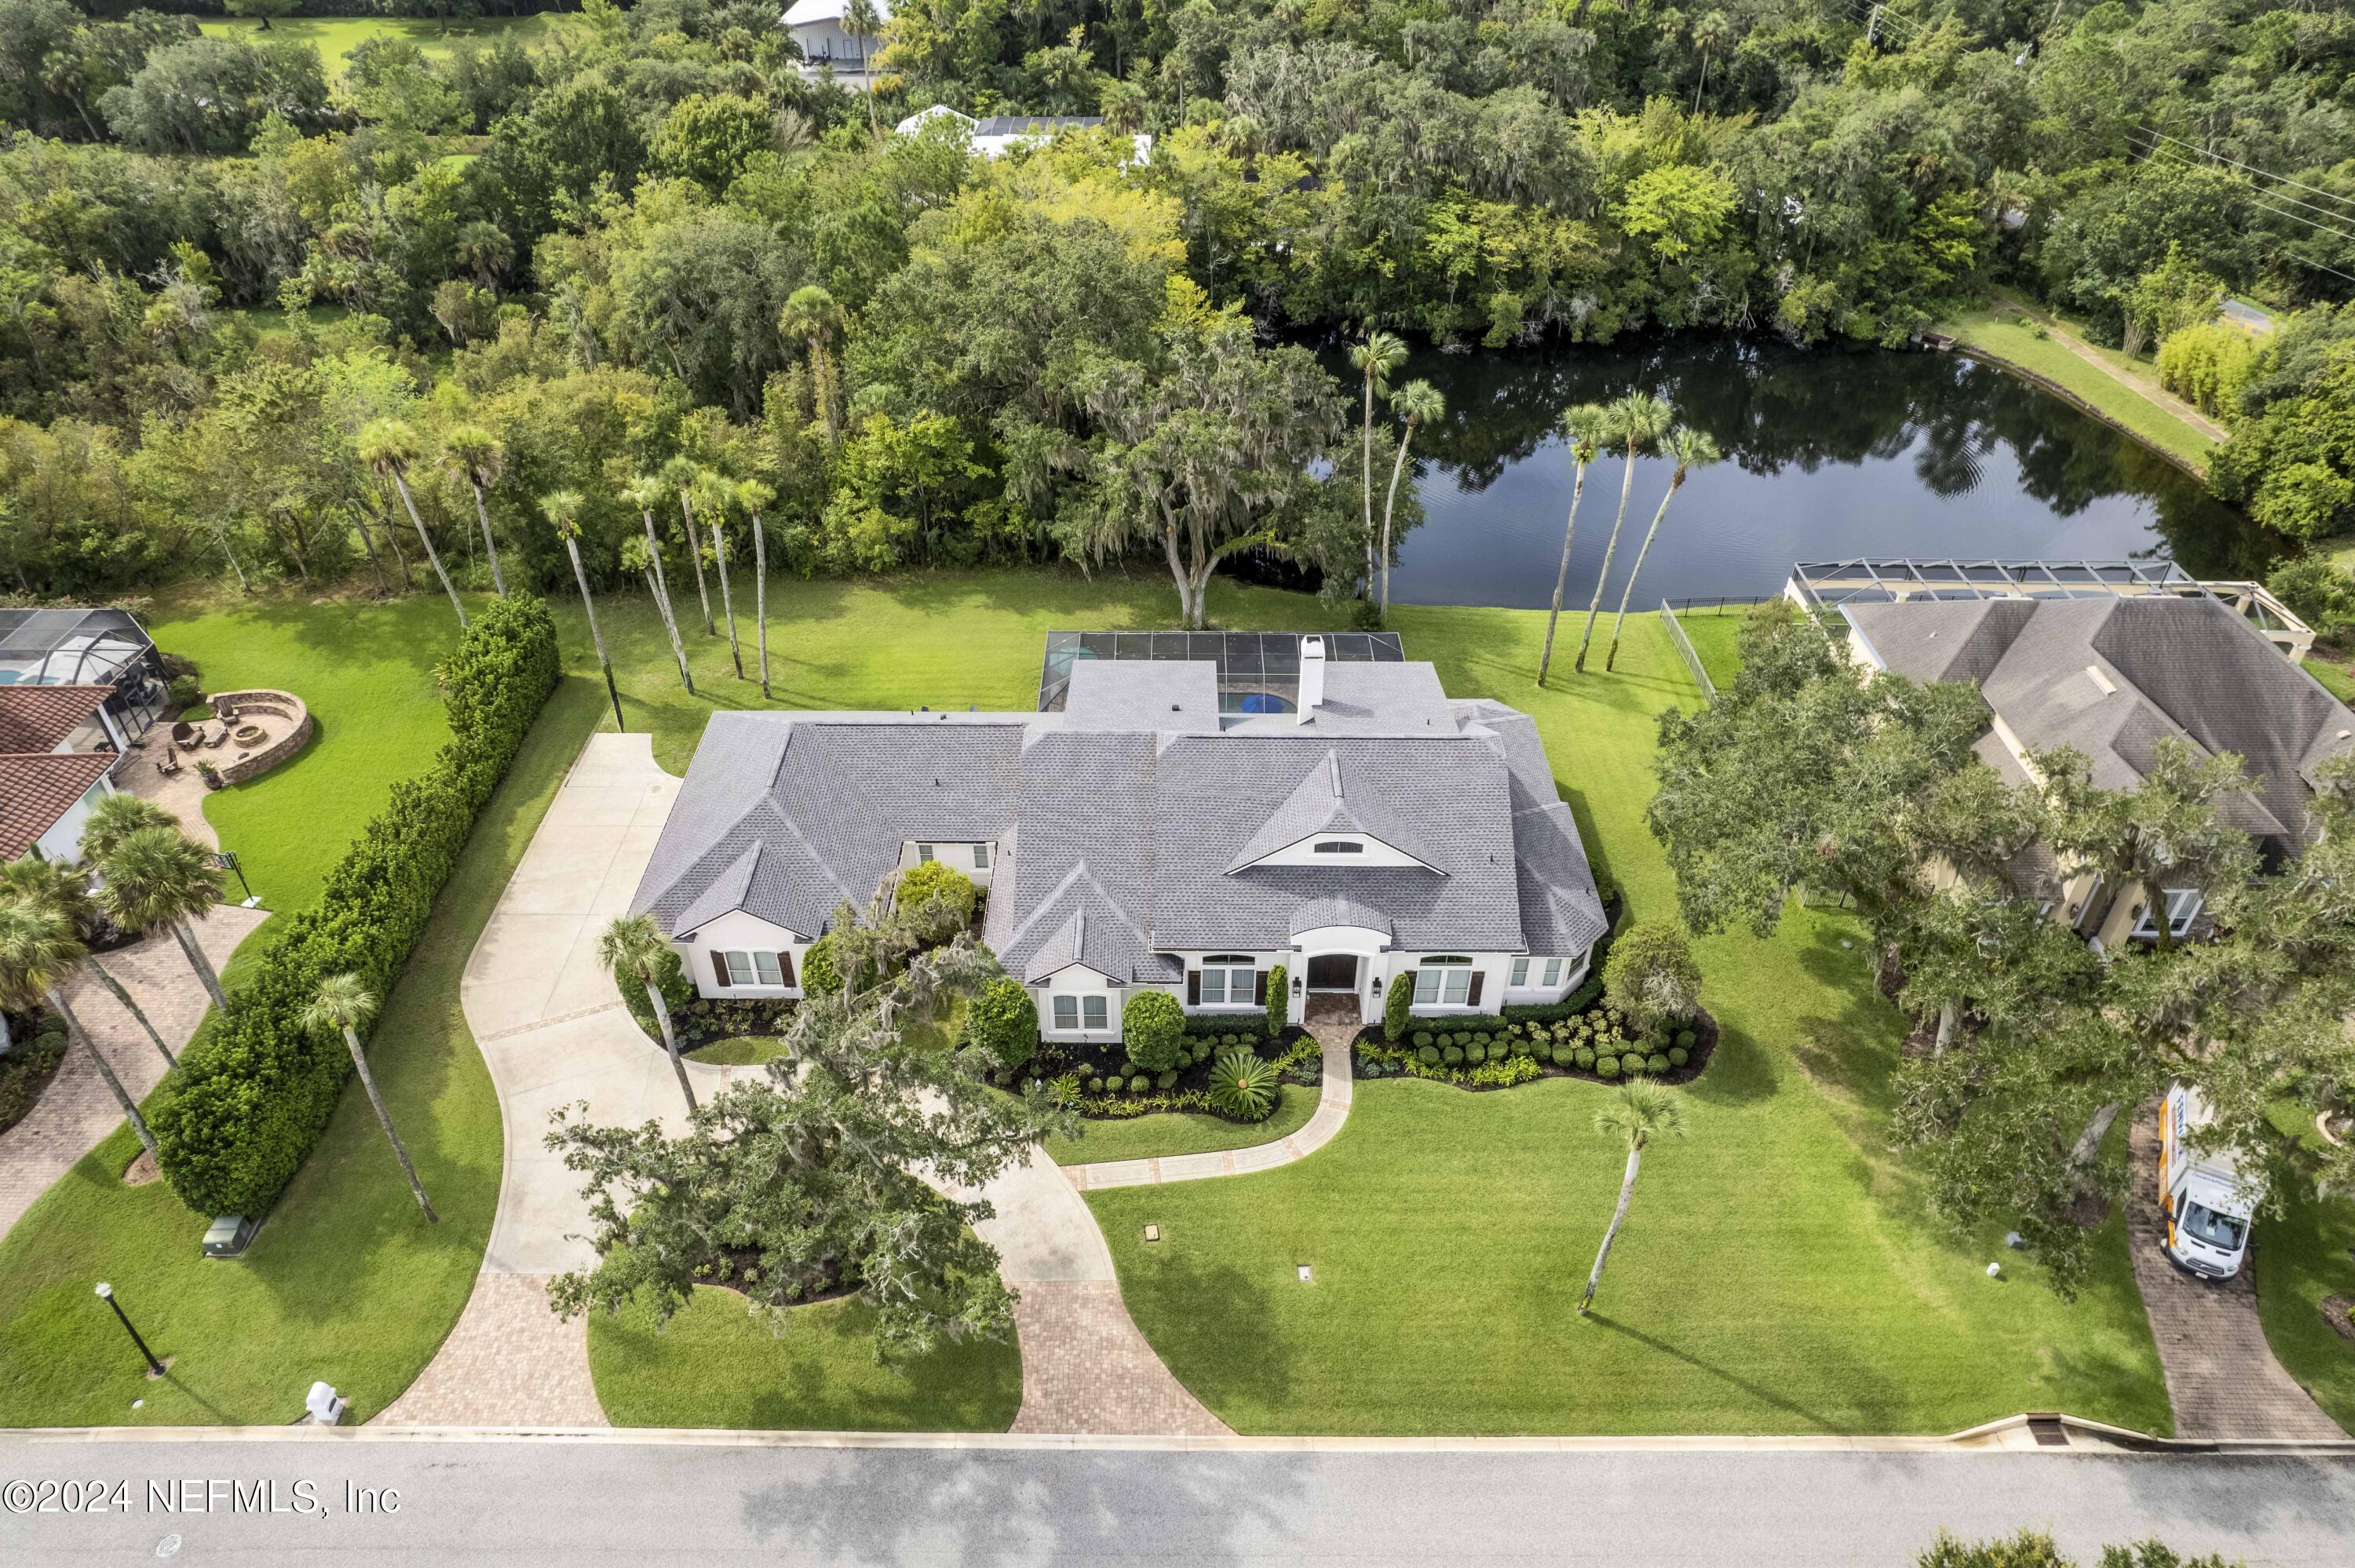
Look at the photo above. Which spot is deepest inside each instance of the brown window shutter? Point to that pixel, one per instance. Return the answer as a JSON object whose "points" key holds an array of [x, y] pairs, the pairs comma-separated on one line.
{"points": [[719, 968], [1472, 998], [1258, 989], [1193, 987], [785, 964]]}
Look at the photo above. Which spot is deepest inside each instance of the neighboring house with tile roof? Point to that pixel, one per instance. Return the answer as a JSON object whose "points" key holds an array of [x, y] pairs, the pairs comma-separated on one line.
{"points": [[57, 746], [1151, 835], [2112, 677]]}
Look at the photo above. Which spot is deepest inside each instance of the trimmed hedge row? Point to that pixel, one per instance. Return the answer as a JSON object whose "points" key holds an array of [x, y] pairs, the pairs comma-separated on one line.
{"points": [[252, 1097]]}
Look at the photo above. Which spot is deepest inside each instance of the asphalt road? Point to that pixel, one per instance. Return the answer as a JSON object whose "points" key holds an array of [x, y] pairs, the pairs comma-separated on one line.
{"points": [[462, 1504]]}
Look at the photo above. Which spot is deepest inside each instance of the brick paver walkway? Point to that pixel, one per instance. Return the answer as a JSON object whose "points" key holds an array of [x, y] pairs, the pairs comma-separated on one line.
{"points": [[1332, 1111], [1087, 1369], [77, 1110], [509, 1362], [2222, 1376]]}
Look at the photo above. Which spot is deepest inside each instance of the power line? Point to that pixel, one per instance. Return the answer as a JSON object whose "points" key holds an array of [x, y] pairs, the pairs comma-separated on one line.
{"points": [[2207, 153], [2255, 192]]}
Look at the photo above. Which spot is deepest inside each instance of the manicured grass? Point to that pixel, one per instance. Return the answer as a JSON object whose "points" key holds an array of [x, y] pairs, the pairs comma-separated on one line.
{"points": [[743, 1051], [2336, 677], [715, 1365], [2299, 1258], [346, 1282], [367, 671], [335, 37], [2007, 335], [1184, 1132], [1715, 635], [1780, 1272]]}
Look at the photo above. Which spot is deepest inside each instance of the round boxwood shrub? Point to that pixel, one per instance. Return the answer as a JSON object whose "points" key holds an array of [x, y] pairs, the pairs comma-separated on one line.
{"points": [[1687, 1039], [1631, 1062], [1422, 1038], [1563, 1056], [1003, 1022], [1586, 1057], [1453, 1055], [1608, 1066], [1231, 1040], [1475, 1053], [1153, 1027], [1095, 1085], [1165, 1081], [1656, 1063], [1428, 1055], [1139, 1084], [1679, 1055]]}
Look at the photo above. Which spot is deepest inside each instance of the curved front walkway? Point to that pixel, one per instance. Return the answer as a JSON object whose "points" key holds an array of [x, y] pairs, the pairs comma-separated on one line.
{"points": [[1332, 1111]]}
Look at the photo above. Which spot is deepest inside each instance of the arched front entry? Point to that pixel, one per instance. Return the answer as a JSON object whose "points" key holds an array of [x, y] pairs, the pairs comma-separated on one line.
{"points": [[1336, 967]]}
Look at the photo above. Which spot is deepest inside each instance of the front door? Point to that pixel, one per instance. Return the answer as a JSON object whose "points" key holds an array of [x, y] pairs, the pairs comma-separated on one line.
{"points": [[1333, 971]]}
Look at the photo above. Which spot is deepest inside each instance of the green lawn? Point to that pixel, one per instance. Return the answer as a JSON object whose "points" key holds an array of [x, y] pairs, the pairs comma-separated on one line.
{"points": [[2007, 335], [2299, 1258], [1714, 634], [367, 671], [1184, 1132], [740, 1051], [1779, 1274], [2337, 678], [715, 1365], [335, 37], [344, 1282]]}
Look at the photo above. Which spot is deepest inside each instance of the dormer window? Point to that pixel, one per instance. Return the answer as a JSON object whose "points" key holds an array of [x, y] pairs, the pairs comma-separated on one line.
{"points": [[1340, 846]]}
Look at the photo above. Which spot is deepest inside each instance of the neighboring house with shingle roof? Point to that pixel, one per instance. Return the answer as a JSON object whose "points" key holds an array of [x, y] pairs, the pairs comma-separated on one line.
{"points": [[2114, 678], [1151, 836], [57, 746]]}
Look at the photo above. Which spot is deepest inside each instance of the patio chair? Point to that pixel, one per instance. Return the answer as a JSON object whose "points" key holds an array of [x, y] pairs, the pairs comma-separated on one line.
{"points": [[219, 735], [169, 763], [185, 734]]}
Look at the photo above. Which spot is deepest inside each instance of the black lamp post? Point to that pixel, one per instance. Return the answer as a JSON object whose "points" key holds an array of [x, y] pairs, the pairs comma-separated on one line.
{"points": [[106, 1294]]}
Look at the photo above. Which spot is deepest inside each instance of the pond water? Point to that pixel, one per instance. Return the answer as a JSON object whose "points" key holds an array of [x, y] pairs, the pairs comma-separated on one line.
{"points": [[1830, 453]]}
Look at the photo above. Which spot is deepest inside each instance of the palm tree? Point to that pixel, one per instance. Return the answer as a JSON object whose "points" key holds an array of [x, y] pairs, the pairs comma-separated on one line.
{"points": [[38, 951], [646, 492], [64, 886], [633, 946], [679, 475], [809, 314], [344, 1003], [115, 818], [1419, 403], [1375, 358], [752, 495], [1641, 1111], [475, 456], [1688, 450], [389, 446], [562, 508], [159, 876], [715, 493], [1587, 427], [861, 21], [1636, 422]]}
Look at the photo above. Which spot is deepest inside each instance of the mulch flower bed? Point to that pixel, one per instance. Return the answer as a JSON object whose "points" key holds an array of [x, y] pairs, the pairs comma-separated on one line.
{"points": [[1512, 1052], [1103, 1080]]}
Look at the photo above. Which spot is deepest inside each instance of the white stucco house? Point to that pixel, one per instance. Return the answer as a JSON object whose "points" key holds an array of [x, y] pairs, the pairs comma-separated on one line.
{"points": [[1166, 821], [816, 26], [997, 134]]}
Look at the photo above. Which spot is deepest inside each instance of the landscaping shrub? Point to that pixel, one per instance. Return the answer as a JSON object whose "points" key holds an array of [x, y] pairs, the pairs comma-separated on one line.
{"points": [[252, 1096], [1164, 1080], [1003, 1022], [940, 898], [1242, 1085], [1397, 1013], [1139, 1084], [1632, 1061], [1679, 1055], [819, 977], [1656, 1063], [1427, 1055], [1686, 1038], [1095, 1085], [1607, 1065], [1153, 1027], [1279, 1006], [1475, 1053], [25, 1070], [1453, 1055], [1586, 1058], [1564, 1056]]}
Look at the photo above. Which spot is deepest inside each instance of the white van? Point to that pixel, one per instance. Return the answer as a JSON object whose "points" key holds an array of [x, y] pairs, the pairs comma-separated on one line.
{"points": [[2207, 1201]]}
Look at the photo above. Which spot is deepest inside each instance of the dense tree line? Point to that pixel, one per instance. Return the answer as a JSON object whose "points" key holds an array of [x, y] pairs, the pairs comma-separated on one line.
{"points": [[649, 242]]}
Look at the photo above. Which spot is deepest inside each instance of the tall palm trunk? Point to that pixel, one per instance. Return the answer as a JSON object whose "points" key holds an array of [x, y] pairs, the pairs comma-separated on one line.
{"points": [[1594, 610], [384, 1117], [581, 575], [105, 1070], [727, 602], [695, 554], [1618, 1218], [1561, 573], [670, 1037], [1611, 657], [114, 989], [187, 935], [1365, 477], [761, 599], [1389, 510], [432, 553], [490, 545], [661, 585]]}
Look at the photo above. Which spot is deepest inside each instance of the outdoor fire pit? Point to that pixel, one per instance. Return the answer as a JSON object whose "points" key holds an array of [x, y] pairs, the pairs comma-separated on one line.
{"points": [[248, 733]]}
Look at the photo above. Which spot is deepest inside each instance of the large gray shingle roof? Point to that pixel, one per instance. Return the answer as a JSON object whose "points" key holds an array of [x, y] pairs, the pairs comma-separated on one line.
{"points": [[1125, 830]]}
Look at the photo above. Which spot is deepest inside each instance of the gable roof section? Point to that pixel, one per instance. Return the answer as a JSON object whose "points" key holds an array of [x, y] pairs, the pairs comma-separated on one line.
{"points": [[1322, 803], [1560, 909], [37, 789], [37, 718]]}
